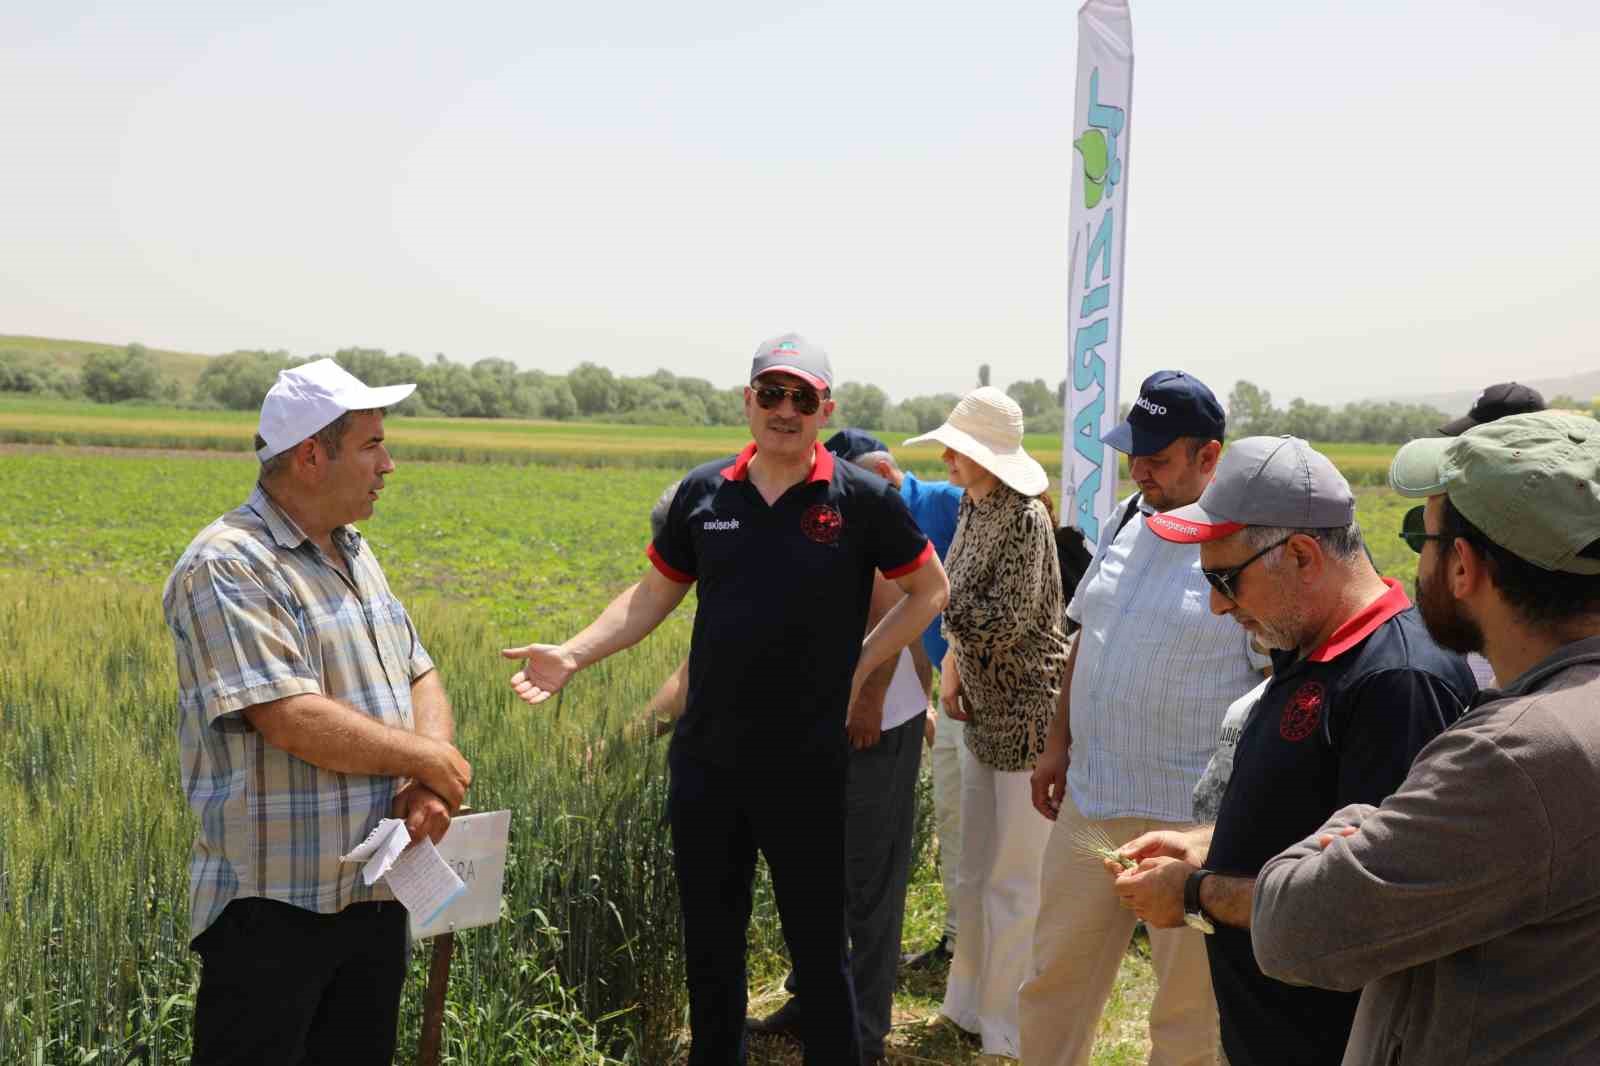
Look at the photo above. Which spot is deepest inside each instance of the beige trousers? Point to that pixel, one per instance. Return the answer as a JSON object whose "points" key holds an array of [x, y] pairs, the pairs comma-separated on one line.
{"points": [[1079, 939]]}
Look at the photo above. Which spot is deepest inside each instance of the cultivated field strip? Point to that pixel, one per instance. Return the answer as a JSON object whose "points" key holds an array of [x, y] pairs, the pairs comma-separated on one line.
{"points": [[94, 830], [483, 440]]}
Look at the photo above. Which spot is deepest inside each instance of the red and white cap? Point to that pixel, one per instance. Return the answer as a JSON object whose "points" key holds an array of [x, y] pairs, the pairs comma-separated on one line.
{"points": [[306, 398]]}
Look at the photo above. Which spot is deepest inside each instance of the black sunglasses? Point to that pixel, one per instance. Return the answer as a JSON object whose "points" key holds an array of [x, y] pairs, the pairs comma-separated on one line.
{"points": [[1224, 580], [1414, 531], [806, 400]]}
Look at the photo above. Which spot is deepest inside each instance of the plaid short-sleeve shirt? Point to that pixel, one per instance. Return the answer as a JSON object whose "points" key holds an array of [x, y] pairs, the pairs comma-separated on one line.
{"points": [[257, 613]]}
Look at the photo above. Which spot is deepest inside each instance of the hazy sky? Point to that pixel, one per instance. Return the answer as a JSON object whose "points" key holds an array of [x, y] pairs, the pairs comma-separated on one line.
{"points": [[1331, 199]]}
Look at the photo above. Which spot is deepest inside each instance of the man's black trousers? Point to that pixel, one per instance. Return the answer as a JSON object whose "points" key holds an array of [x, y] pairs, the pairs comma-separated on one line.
{"points": [[284, 986], [791, 809]]}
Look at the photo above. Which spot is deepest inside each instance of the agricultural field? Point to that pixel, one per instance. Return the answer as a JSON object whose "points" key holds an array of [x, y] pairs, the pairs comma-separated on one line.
{"points": [[94, 832], [491, 440]]}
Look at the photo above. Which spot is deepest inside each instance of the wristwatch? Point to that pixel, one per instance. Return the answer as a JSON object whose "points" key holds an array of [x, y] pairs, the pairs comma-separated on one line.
{"points": [[1194, 915]]}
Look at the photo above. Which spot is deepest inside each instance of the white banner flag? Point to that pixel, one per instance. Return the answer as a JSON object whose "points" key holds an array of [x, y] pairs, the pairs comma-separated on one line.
{"points": [[1099, 223]]}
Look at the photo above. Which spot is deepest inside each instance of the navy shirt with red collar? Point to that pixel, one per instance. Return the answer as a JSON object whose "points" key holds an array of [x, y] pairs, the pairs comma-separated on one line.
{"points": [[783, 597], [1339, 726]]}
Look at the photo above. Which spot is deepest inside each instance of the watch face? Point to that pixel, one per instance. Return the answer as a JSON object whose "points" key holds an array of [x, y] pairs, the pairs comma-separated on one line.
{"points": [[1200, 922]]}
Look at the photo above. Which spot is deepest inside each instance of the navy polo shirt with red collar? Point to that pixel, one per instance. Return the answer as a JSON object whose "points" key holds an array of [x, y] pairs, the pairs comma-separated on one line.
{"points": [[1339, 726], [783, 597]]}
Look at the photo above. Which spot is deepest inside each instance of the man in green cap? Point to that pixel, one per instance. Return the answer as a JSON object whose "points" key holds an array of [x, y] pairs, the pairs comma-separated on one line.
{"points": [[1467, 905]]}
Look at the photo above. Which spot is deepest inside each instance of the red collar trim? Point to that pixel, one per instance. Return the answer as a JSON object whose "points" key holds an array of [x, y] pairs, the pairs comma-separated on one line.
{"points": [[1361, 625], [821, 464]]}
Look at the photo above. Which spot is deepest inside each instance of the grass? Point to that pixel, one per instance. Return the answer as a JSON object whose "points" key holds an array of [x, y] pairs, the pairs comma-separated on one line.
{"points": [[585, 966]]}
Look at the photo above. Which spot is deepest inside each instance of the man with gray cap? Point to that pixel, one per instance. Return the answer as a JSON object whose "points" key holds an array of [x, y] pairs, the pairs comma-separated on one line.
{"points": [[1467, 904], [783, 542], [1358, 687], [308, 710]]}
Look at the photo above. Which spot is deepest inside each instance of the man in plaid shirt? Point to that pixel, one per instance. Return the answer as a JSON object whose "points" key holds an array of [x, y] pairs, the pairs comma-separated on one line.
{"points": [[308, 710]]}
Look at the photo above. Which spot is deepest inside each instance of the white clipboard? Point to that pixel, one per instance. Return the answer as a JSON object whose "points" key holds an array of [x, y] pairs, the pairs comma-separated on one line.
{"points": [[475, 848]]}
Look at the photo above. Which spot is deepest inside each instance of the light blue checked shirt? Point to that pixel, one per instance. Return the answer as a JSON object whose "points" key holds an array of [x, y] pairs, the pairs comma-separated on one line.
{"points": [[1156, 672], [257, 613]]}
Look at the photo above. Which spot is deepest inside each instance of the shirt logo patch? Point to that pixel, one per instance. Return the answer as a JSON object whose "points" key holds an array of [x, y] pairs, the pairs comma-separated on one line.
{"points": [[1303, 711], [720, 525], [822, 523]]}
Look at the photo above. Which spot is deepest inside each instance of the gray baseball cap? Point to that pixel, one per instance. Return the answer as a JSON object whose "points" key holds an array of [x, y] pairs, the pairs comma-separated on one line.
{"points": [[793, 354], [1263, 481]]}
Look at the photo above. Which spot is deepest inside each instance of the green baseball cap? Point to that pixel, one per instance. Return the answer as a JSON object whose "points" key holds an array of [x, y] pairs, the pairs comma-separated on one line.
{"points": [[1530, 482]]}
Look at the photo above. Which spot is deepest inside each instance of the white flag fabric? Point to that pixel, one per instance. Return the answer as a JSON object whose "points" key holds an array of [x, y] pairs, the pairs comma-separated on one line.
{"points": [[1099, 223]]}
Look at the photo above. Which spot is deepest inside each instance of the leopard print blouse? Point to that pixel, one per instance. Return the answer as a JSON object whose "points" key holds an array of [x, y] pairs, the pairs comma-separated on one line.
{"points": [[1004, 622]]}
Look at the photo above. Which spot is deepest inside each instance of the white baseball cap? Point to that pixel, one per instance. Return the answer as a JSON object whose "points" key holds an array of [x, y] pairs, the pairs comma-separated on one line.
{"points": [[308, 397]]}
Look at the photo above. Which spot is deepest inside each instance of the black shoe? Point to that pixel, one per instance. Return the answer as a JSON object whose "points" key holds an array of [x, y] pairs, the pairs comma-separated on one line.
{"points": [[934, 957], [785, 1021]]}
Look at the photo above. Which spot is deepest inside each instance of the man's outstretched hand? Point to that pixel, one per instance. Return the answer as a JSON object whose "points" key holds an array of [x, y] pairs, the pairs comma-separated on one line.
{"points": [[546, 668]]}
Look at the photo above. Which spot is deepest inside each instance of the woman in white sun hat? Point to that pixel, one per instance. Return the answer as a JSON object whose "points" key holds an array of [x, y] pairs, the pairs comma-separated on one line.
{"points": [[1002, 676]]}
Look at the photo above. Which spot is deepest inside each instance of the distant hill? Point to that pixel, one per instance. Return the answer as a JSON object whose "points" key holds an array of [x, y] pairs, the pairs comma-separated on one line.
{"points": [[1584, 387], [182, 367]]}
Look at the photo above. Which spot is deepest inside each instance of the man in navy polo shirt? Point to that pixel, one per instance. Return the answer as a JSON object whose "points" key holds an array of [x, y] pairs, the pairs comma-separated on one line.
{"points": [[1358, 687], [783, 541]]}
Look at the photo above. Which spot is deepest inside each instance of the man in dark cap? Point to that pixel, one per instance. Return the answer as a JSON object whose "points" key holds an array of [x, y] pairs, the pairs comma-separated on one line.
{"points": [[1148, 680], [1496, 401]]}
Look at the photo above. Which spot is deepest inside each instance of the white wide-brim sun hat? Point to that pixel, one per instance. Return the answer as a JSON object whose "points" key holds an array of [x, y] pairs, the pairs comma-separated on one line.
{"points": [[986, 427]]}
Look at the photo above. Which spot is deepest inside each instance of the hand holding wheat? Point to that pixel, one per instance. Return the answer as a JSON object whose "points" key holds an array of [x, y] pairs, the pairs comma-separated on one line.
{"points": [[1092, 841]]}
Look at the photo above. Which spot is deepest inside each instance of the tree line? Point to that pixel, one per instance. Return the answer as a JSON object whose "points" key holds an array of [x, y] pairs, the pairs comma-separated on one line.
{"points": [[498, 388], [1251, 412]]}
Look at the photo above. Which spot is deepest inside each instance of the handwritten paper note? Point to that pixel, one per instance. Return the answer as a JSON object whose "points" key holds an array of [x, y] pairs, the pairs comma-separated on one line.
{"points": [[419, 878], [475, 848]]}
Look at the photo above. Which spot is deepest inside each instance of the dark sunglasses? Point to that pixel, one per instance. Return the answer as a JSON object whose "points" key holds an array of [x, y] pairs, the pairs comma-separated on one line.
{"points": [[1225, 580], [1415, 533], [806, 400]]}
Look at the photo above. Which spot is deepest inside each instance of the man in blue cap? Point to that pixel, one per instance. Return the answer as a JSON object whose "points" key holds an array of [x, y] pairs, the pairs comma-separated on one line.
{"points": [[1147, 682], [935, 505]]}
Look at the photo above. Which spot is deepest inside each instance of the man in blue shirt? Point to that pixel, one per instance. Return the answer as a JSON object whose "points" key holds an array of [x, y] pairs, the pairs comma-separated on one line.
{"points": [[935, 506]]}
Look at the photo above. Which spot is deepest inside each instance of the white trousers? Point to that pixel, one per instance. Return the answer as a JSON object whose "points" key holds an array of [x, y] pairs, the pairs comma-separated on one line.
{"points": [[1002, 847], [945, 763]]}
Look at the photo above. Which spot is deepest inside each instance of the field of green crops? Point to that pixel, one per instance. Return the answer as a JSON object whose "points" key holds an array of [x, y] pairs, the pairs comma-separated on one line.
{"points": [[94, 832], [24, 420]]}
